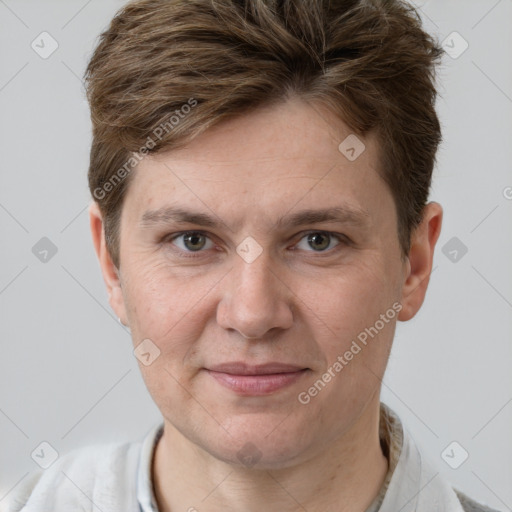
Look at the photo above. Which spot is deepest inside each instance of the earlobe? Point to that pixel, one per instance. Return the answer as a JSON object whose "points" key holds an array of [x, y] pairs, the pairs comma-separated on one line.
{"points": [[420, 261], [108, 269]]}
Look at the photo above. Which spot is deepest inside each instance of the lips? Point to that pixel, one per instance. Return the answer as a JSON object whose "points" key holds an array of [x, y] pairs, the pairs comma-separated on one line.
{"points": [[256, 380], [241, 368]]}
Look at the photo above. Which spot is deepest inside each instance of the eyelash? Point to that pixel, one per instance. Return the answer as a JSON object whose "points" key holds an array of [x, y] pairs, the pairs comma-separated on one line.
{"points": [[342, 240]]}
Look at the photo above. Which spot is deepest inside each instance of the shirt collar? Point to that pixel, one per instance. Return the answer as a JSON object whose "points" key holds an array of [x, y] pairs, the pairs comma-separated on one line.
{"points": [[411, 484], [414, 485], [145, 493]]}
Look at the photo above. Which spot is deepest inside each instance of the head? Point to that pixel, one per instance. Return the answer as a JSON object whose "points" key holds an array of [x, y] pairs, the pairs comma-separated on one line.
{"points": [[260, 173]]}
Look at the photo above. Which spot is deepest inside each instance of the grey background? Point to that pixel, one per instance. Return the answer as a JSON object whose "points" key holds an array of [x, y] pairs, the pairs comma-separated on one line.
{"points": [[67, 371]]}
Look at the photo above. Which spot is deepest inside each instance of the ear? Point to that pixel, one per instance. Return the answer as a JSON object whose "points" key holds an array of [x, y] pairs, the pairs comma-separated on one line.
{"points": [[110, 272], [419, 260]]}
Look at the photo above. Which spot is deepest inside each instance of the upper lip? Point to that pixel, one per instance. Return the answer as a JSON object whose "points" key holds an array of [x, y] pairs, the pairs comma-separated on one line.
{"points": [[241, 368]]}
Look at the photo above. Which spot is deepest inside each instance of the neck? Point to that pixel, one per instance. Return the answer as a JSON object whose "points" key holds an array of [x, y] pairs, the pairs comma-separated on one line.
{"points": [[345, 477]]}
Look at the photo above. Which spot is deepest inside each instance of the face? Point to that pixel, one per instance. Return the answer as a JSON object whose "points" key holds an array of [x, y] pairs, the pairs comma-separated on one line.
{"points": [[254, 259]]}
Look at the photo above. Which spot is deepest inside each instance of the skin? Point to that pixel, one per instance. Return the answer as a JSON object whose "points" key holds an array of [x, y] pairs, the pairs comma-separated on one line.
{"points": [[295, 303]]}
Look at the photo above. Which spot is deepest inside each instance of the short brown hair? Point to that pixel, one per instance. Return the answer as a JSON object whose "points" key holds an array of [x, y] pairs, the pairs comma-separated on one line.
{"points": [[369, 61]]}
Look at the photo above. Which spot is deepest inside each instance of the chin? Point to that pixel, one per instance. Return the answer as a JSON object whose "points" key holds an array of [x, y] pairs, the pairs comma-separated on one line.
{"points": [[260, 443], [253, 456]]}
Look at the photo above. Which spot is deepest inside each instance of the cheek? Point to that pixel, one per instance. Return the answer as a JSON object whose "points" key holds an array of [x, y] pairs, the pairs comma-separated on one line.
{"points": [[351, 299], [353, 338], [163, 301]]}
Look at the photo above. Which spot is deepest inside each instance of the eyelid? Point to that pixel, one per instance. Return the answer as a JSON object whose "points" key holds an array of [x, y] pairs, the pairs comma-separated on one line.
{"points": [[169, 239], [177, 234], [342, 239]]}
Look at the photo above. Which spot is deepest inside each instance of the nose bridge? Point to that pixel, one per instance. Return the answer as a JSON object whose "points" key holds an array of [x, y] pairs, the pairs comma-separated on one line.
{"points": [[257, 279], [257, 300]]}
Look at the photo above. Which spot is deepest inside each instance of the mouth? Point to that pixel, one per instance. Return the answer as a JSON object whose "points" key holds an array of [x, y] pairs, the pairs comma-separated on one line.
{"points": [[247, 380]]}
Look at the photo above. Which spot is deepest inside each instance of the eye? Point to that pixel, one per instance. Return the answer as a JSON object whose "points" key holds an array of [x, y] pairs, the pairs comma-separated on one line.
{"points": [[191, 241], [319, 241]]}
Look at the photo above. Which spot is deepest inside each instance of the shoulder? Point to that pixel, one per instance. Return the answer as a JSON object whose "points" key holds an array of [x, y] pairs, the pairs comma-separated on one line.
{"points": [[93, 474], [470, 505]]}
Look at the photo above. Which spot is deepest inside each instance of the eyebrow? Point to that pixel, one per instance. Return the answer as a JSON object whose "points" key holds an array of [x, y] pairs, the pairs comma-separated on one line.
{"points": [[341, 214]]}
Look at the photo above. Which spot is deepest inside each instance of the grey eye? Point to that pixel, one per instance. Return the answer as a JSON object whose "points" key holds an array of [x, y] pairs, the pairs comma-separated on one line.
{"points": [[318, 241], [192, 241]]}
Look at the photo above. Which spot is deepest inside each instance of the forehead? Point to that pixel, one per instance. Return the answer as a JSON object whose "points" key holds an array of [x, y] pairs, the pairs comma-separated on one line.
{"points": [[278, 155]]}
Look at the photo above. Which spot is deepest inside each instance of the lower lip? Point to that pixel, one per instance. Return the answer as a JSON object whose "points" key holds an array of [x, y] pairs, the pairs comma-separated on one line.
{"points": [[256, 385]]}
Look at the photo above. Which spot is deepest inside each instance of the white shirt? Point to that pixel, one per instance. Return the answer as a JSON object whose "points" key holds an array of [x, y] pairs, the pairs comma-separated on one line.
{"points": [[117, 478]]}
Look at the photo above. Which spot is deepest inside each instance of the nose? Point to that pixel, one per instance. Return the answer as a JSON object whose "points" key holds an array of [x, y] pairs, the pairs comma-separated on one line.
{"points": [[256, 300]]}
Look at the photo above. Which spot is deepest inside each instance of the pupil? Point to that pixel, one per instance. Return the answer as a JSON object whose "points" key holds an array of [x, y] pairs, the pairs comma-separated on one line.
{"points": [[194, 241], [320, 240]]}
